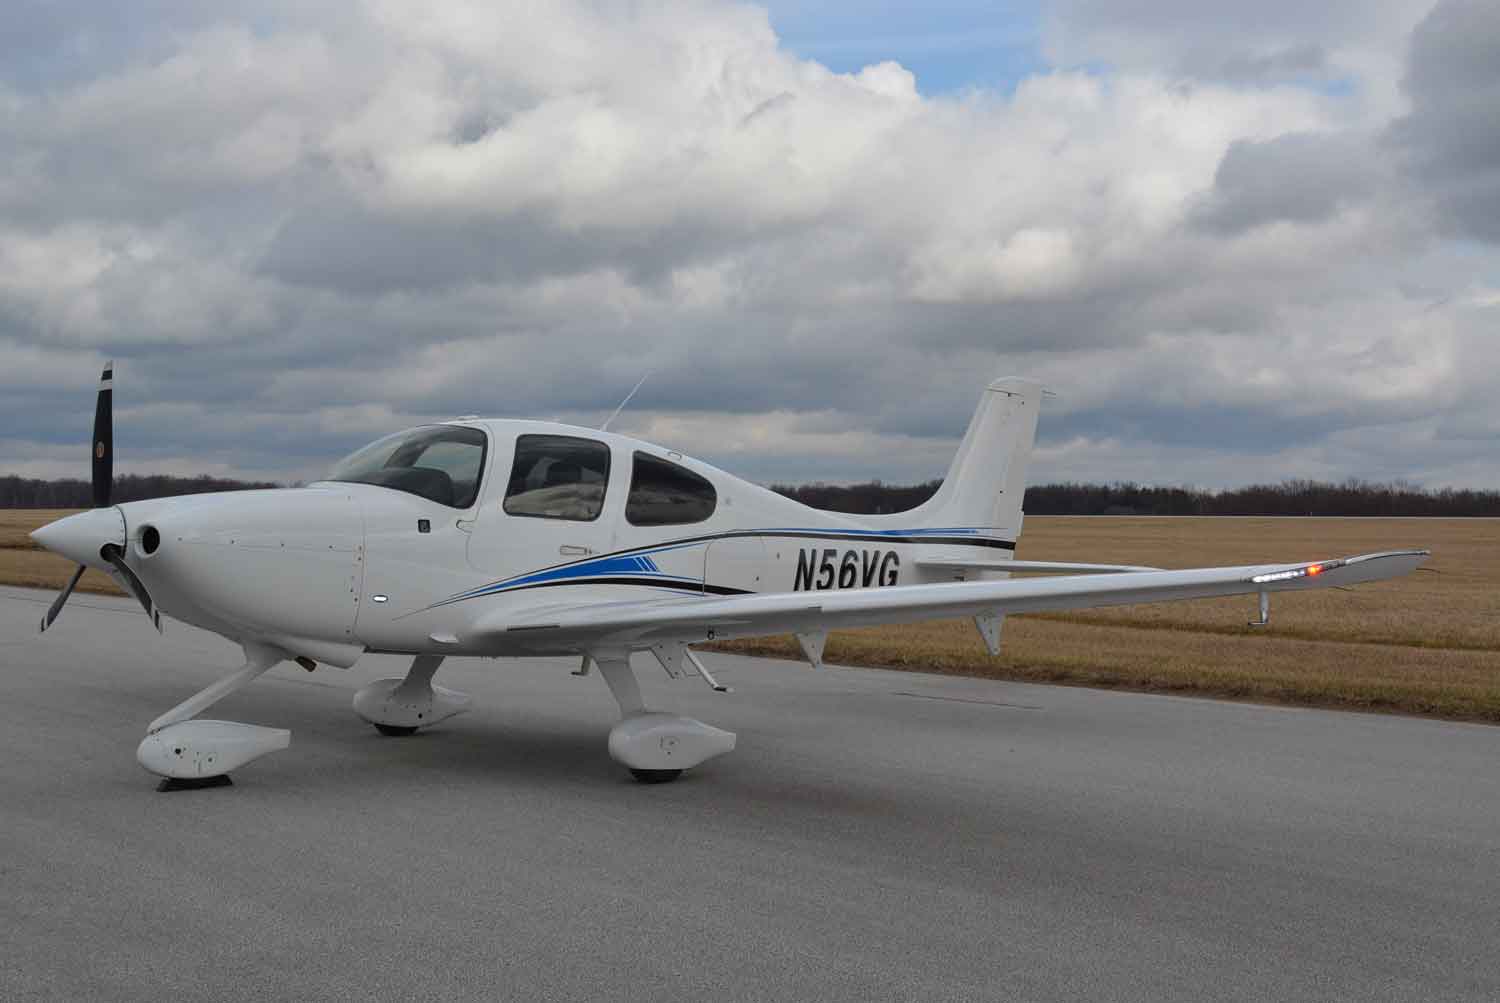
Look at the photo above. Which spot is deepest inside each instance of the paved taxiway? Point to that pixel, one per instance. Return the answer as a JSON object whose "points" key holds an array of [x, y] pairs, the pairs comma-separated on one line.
{"points": [[876, 836]]}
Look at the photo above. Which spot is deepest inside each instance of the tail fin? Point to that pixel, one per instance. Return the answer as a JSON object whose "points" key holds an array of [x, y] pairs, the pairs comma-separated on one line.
{"points": [[987, 480]]}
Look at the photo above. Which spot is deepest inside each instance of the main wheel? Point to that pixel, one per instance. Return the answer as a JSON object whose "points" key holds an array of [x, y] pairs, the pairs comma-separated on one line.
{"points": [[655, 776], [395, 730]]}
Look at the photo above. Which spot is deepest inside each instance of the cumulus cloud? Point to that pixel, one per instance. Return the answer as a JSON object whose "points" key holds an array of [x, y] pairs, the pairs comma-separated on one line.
{"points": [[1227, 245], [1353, 44], [1452, 135], [1296, 177]]}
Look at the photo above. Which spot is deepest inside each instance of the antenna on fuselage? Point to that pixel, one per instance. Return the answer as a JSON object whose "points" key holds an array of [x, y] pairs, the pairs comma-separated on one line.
{"points": [[639, 383]]}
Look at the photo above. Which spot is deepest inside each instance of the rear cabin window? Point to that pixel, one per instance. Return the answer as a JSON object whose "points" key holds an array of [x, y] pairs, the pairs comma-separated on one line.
{"points": [[664, 494], [558, 477]]}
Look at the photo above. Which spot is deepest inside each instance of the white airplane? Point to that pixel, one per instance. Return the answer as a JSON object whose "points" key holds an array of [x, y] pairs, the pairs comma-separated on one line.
{"points": [[481, 537]]}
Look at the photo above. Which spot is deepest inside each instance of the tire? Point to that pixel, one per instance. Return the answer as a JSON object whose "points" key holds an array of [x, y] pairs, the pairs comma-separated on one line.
{"points": [[395, 730], [656, 776]]}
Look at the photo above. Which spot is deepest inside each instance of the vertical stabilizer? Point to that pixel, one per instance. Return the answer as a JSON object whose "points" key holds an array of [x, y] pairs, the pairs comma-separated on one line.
{"points": [[986, 482]]}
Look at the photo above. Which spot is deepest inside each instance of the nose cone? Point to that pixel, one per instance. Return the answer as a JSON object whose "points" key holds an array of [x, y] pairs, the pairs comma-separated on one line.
{"points": [[79, 537]]}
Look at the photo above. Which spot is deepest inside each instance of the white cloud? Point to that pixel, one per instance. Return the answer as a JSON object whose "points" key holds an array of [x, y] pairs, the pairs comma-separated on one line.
{"points": [[294, 223]]}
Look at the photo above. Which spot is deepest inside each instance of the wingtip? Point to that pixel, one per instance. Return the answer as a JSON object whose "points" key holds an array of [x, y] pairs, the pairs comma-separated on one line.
{"points": [[1382, 554]]}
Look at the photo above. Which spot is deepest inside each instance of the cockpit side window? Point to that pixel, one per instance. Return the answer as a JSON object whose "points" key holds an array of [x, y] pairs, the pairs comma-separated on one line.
{"points": [[664, 494], [558, 477], [442, 463]]}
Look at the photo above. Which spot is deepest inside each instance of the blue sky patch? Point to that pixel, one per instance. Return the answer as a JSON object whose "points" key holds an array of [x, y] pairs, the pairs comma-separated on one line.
{"points": [[951, 46]]}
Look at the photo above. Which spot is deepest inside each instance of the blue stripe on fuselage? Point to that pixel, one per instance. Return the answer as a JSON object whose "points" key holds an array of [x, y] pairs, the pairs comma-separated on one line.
{"points": [[637, 561]]}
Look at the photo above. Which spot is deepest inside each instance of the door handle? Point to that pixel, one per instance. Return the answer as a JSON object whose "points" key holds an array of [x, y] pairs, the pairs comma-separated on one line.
{"points": [[573, 550]]}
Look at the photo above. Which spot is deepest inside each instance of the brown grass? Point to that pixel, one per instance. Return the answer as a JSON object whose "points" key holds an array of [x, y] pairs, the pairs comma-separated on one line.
{"points": [[1425, 644], [23, 563], [1453, 603]]}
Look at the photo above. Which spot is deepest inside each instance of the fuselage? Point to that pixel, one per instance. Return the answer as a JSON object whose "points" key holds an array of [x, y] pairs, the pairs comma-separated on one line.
{"points": [[424, 531]]}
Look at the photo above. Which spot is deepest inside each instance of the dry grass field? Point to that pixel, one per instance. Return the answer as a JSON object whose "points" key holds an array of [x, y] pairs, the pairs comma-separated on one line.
{"points": [[1425, 644], [23, 563]]}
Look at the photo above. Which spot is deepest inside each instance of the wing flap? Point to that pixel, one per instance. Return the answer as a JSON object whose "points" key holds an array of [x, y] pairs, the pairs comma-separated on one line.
{"points": [[692, 619], [1037, 567]]}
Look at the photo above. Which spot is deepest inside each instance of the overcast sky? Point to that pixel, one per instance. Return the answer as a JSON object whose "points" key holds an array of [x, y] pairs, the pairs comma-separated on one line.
{"points": [[1242, 242]]}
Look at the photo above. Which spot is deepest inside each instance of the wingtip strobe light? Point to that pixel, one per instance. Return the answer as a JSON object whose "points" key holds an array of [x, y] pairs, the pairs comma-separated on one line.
{"points": [[499, 538]]}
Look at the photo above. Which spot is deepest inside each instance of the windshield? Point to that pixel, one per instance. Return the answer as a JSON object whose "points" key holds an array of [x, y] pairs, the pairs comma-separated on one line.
{"points": [[441, 463]]}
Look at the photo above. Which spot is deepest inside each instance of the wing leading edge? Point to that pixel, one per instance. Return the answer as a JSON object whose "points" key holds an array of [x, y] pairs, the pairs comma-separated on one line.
{"points": [[640, 624]]}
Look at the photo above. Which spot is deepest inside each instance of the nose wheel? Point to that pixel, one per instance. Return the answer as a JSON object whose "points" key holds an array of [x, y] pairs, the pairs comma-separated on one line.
{"points": [[196, 784], [394, 730], [191, 753], [656, 776]]}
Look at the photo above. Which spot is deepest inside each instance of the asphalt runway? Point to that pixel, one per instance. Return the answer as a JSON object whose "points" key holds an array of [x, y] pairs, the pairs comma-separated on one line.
{"points": [[876, 836]]}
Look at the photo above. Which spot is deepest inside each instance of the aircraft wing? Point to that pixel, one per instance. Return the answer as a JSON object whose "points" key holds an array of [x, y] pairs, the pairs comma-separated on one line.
{"points": [[638, 624]]}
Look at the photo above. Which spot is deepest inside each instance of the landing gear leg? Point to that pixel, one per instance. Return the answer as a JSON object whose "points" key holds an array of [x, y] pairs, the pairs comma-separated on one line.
{"points": [[190, 754], [401, 706], [656, 747]]}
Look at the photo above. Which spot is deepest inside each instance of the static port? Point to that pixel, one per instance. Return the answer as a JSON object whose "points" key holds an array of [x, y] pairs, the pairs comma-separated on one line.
{"points": [[150, 540]]}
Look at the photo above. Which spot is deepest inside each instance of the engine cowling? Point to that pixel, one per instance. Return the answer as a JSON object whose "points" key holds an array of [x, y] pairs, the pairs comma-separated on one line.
{"points": [[275, 564]]}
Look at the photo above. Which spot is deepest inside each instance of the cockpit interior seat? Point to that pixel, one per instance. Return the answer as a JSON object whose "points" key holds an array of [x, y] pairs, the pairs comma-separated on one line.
{"points": [[434, 485], [563, 472]]}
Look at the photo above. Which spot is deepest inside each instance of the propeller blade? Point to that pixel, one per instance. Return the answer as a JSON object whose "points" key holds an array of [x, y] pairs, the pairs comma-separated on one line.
{"points": [[113, 553], [104, 438], [57, 604]]}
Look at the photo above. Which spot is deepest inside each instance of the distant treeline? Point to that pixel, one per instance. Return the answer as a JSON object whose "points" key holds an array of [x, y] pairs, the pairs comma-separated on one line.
{"points": [[30, 492], [1348, 498], [1296, 497]]}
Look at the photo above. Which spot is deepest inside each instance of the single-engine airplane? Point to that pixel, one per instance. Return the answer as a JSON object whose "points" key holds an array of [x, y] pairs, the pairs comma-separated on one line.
{"points": [[480, 537]]}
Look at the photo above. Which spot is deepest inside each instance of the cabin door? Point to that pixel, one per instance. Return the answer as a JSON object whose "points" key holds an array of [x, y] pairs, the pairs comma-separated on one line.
{"points": [[553, 504]]}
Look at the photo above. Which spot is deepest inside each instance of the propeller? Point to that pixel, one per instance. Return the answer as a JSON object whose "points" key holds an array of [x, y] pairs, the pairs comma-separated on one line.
{"points": [[103, 457], [104, 438], [57, 604], [115, 555]]}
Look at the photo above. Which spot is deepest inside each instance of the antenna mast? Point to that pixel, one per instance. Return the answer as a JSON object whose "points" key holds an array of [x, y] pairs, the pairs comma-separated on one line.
{"points": [[605, 427]]}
